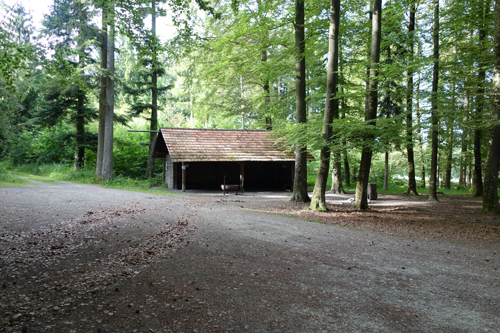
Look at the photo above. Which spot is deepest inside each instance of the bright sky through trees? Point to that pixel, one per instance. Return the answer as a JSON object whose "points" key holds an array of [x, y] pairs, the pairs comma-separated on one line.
{"points": [[37, 8]]}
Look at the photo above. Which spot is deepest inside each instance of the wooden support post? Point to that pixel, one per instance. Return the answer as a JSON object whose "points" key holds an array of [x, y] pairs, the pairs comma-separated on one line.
{"points": [[242, 176], [184, 176], [164, 169]]}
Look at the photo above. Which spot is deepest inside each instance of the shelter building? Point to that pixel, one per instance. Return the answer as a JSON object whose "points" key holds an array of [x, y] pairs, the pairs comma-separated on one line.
{"points": [[208, 158]]}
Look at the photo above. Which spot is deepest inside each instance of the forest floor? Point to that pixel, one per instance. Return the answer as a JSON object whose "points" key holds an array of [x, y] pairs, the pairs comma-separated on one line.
{"points": [[82, 258]]}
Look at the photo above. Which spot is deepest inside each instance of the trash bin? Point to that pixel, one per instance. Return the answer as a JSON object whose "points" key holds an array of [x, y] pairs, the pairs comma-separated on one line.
{"points": [[372, 191]]}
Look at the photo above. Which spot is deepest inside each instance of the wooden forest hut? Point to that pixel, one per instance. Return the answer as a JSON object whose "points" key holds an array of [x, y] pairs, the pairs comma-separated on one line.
{"points": [[204, 158]]}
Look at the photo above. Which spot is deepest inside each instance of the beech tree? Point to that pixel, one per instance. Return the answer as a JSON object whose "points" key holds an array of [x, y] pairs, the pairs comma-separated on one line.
{"points": [[331, 108], [490, 195], [412, 183], [477, 182], [300, 179], [361, 200], [433, 178]]}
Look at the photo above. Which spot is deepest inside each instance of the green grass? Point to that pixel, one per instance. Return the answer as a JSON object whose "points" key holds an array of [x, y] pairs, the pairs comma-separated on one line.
{"points": [[11, 180], [42, 179], [50, 172], [8, 178]]}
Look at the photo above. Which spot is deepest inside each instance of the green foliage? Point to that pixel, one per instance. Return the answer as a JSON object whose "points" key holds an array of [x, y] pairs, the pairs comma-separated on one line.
{"points": [[7, 178], [50, 145], [236, 69]]}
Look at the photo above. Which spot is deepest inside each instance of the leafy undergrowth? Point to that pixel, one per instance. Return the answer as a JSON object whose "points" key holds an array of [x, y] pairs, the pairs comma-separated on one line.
{"points": [[7, 178]]}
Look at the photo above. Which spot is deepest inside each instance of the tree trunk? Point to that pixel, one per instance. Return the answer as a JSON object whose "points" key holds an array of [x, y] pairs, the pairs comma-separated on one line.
{"points": [[386, 171], [80, 121], [419, 136], [449, 153], [361, 200], [337, 178], [107, 160], [331, 112], [462, 180], [154, 94], [267, 92], [477, 182], [469, 173], [450, 121], [337, 186], [80, 131], [434, 107], [343, 106], [102, 93], [300, 177], [490, 195], [412, 183], [347, 172]]}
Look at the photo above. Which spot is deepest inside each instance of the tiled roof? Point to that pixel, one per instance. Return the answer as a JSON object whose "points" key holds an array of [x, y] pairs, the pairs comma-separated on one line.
{"points": [[206, 145]]}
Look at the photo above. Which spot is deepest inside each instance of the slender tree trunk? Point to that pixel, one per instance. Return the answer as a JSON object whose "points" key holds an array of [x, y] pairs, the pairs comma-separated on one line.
{"points": [[449, 152], [154, 94], [386, 171], [102, 94], [450, 121], [80, 121], [346, 169], [266, 85], [469, 172], [419, 136], [434, 108], [361, 200], [412, 183], [477, 182], [300, 178], [267, 92], [107, 160], [462, 180], [490, 195], [80, 131], [337, 157]]}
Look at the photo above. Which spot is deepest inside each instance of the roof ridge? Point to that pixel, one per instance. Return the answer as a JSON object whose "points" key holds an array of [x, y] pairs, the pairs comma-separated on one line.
{"points": [[214, 129]]}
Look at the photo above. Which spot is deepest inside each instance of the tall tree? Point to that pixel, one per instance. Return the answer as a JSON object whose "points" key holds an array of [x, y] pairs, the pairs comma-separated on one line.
{"points": [[412, 183], [154, 91], [450, 138], [490, 195], [433, 177], [102, 90], [477, 182], [331, 110], [361, 200], [71, 36], [300, 178], [107, 155]]}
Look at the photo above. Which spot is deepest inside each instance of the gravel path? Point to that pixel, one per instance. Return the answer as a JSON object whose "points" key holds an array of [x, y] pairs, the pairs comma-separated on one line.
{"points": [[81, 258]]}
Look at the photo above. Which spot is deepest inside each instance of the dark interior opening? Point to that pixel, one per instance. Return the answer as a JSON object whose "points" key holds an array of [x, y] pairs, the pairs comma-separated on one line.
{"points": [[258, 175]]}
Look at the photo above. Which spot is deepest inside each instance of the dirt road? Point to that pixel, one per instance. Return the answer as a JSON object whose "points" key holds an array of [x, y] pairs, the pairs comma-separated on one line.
{"points": [[81, 258]]}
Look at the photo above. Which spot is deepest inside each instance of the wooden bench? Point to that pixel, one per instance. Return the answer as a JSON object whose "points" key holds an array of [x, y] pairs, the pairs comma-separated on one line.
{"points": [[230, 188]]}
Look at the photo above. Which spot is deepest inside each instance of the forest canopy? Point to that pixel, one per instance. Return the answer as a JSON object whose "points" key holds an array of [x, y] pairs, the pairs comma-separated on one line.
{"points": [[391, 92]]}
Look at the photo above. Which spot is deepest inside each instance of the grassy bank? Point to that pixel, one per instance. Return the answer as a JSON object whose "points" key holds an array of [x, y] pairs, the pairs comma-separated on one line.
{"points": [[10, 175]]}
